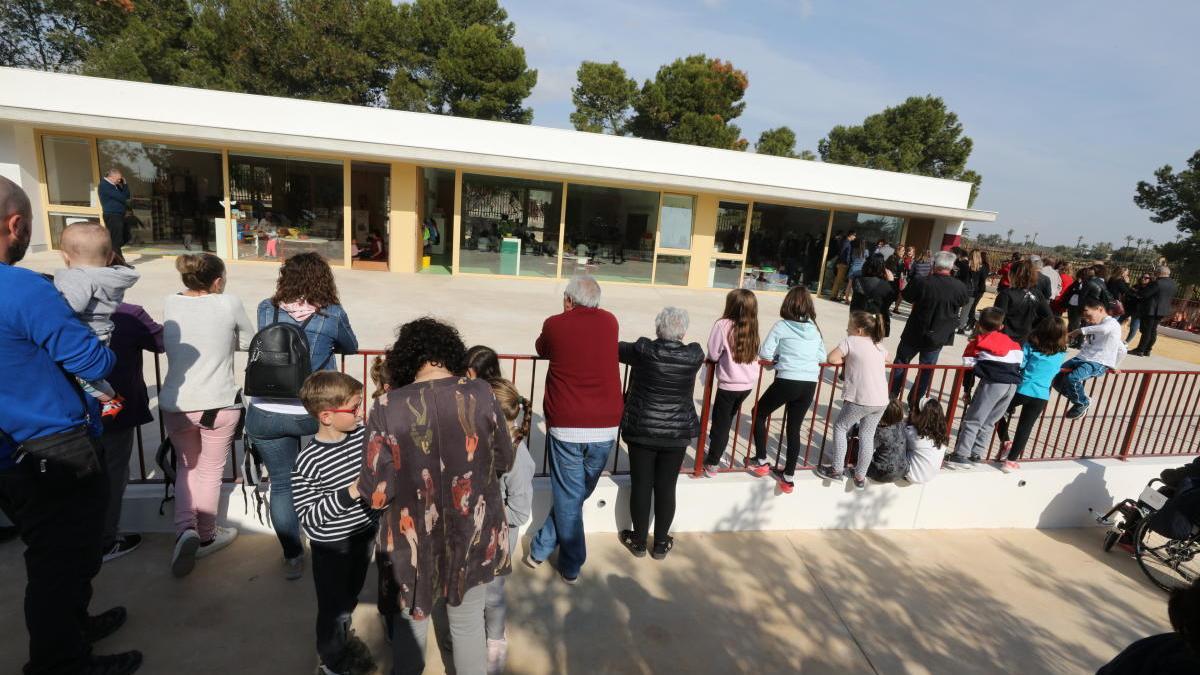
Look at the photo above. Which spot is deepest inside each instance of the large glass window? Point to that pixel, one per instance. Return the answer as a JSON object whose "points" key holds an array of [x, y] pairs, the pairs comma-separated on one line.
{"points": [[68, 163], [437, 219], [59, 222], [176, 194], [869, 229], [672, 270], [370, 190], [509, 226], [676, 227], [724, 273], [731, 227], [284, 206], [610, 232], [785, 246]]}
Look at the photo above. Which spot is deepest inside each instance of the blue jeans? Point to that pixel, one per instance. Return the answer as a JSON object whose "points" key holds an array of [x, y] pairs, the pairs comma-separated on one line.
{"points": [[1070, 384], [276, 438], [921, 378], [1135, 323], [574, 470]]}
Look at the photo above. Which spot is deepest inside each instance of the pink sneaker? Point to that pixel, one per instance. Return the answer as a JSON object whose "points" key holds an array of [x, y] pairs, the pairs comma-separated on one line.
{"points": [[760, 470], [1009, 467]]}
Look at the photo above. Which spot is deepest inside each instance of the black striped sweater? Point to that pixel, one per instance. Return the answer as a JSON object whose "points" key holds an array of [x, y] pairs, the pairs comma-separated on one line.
{"points": [[320, 489]]}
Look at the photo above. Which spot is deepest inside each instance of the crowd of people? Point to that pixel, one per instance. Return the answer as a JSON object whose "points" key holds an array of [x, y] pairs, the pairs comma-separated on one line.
{"points": [[437, 482]]}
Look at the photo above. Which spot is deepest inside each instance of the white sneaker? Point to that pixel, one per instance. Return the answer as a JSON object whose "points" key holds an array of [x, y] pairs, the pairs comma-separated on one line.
{"points": [[497, 656], [184, 557], [222, 537]]}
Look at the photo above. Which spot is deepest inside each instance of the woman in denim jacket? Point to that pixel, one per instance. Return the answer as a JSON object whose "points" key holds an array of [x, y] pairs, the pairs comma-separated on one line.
{"points": [[275, 426]]}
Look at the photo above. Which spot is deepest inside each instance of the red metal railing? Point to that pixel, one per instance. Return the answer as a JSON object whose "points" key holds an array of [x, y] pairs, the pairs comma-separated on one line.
{"points": [[1134, 413]]}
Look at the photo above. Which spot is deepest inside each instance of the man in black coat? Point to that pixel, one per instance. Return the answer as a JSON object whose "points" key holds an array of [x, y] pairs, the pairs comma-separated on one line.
{"points": [[937, 301], [1154, 302], [114, 203]]}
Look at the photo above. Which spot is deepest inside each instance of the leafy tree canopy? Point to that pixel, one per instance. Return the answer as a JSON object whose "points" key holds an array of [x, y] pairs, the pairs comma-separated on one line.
{"points": [[1175, 197], [918, 136], [602, 97], [780, 142], [692, 100]]}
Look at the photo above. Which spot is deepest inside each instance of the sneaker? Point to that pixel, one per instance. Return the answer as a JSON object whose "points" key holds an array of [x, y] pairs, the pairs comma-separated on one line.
{"points": [[1076, 411], [662, 547], [958, 462], [635, 544], [1005, 448], [293, 568], [532, 562], [222, 537], [112, 407], [860, 483], [96, 628], [1009, 466], [826, 472], [124, 544], [571, 581], [712, 470], [760, 468], [975, 459], [183, 560], [124, 663], [786, 484], [497, 656]]}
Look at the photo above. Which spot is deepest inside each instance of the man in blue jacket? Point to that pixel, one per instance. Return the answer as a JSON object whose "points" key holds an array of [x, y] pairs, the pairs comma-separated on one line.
{"points": [[60, 516], [114, 202]]}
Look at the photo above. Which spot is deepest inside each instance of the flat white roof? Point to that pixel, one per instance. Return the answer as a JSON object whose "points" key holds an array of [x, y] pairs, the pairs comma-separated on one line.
{"points": [[100, 106]]}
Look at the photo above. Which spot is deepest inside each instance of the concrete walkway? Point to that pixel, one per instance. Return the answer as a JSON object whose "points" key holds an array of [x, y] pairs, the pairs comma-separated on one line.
{"points": [[981, 601]]}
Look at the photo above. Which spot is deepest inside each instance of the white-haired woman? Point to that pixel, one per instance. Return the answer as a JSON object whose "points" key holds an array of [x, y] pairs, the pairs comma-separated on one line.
{"points": [[658, 424]]}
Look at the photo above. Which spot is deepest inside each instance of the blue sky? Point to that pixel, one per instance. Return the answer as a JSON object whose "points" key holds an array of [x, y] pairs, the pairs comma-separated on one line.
{"points": [[1070, 103]]}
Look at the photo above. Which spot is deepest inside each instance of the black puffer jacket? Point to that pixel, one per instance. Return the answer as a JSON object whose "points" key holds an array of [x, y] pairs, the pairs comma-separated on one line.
{"points": [[659, 408]]}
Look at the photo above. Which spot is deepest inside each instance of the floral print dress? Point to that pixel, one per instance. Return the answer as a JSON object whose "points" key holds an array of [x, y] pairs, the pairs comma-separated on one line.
{"points": [[434, 454]]}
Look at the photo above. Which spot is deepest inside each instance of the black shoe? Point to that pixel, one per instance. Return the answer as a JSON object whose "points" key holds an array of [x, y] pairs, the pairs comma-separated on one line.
{"points": [[123, 545], [635, 544], [1076, 411], [570, 581], [8, 533], [954, 462], [124, 663], [96, 628], [826, 472], [975, 459], [662, 547]]}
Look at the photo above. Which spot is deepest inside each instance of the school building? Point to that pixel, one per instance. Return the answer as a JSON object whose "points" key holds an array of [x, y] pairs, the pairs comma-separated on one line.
{"points": [[257, 178]]}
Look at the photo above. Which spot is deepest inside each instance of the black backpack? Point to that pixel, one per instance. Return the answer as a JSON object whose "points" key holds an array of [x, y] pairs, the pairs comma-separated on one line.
{"points": [[870, 303], [279, 360]]}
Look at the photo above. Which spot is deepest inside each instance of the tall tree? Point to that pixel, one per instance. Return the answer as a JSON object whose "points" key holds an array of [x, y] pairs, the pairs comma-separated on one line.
{"points": [[692, 100], [1175, 197], [780, 142], [918, 136], [458, 58], [603, 97], [55, 34]]}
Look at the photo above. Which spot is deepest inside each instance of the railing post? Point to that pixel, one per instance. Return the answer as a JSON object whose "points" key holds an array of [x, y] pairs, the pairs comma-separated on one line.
{"points": [[1138, 404], [955, 393], [705, 409]]}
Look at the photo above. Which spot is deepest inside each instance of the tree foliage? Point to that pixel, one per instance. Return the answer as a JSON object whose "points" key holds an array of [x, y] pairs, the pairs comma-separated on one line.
{"points": [[603, 97], [1175, 197], [918, 136], [692, 100], [780, 142], [54, 34]]}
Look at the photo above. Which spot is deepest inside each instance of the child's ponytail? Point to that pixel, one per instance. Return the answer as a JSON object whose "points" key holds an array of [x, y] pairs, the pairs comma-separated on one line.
{"points": [[870, 325]]}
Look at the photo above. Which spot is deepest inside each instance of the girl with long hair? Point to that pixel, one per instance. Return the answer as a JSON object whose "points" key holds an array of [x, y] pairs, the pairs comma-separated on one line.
{"points": [[1044, 355], [927, 440], [865, 395], [733, 345]]}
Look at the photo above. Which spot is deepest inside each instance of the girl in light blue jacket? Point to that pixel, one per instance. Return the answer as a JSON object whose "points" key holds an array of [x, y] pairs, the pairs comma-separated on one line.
{"points": [[795, 348]]}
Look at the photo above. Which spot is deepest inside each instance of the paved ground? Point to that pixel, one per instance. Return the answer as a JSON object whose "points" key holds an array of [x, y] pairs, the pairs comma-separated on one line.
{"points": [[986, 601]]}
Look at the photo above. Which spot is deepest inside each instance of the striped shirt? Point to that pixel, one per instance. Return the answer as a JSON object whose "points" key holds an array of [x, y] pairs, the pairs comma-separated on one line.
{"points": [[320, 488]]}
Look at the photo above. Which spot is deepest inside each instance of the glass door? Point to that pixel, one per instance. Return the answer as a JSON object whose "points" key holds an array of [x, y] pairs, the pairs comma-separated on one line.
{"points": [[673, 259], [729, 246], [70, 174]]}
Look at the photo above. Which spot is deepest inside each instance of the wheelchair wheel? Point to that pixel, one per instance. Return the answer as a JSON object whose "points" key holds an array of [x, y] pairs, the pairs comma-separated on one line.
{"points": [[1169, 563], [1110, 540]]}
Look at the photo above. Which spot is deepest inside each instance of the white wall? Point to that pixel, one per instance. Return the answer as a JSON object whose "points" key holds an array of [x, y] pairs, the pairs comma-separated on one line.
{"points": [[18, 163], [942, 227]]}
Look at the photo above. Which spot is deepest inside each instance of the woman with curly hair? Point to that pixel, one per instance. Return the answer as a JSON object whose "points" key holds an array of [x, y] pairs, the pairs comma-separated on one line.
{"points": [[305, 295], [437, 433]]}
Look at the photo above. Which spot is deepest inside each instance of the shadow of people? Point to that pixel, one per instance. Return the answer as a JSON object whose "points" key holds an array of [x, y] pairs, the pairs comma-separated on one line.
{"points": [[1074, 505]]}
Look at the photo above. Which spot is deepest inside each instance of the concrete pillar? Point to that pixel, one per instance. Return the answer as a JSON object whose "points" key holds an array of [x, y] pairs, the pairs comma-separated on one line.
{"points": [[19, 163], [941, 228], [404, 236], [704, 233]]}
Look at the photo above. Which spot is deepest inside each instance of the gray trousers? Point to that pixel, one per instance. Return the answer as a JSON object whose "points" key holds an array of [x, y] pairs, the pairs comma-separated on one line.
{"points": [[118, 447], [460, 637], [987, 407], [867, 418], [495, 609]]}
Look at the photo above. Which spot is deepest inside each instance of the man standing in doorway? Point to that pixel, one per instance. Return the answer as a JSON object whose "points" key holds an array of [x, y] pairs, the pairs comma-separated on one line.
{"points": [[583, 410], [937, 300], [843, 264], [60, 514], [1154, 302], [114, 202]]}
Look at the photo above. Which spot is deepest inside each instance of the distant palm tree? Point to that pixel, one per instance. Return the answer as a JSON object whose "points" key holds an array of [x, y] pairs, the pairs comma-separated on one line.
{"points": [[1129, 241], [1010, 234]]}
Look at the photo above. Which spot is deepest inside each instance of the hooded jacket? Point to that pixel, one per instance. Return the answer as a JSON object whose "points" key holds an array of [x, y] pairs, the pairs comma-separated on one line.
{"points": [[95, 292], [796, 349]]}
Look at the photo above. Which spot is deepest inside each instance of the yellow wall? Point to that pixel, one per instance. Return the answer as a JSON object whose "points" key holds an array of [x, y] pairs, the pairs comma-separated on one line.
{"points": [[704, 232], [404, 252]]}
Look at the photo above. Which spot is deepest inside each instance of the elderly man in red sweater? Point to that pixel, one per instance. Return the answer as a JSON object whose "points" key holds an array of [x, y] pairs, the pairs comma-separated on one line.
{"points": [[583, 410]]}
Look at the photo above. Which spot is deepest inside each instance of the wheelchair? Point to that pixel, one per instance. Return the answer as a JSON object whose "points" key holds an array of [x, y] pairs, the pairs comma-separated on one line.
{"points": [[1169, 562]]}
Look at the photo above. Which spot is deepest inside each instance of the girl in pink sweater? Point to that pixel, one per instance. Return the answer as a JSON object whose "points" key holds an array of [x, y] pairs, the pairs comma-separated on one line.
{"points": [[733, 344]]}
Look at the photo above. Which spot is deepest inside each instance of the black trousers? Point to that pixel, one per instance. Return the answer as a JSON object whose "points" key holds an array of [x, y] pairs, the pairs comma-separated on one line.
{"points": [[724, 409], [115, 222], [1149, 330], [797, 396], [339, 569], [653, 472], [61, 519], [1031, 411]]}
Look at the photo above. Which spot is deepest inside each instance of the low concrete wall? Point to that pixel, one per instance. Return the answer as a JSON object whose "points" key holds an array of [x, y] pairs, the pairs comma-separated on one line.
{"points": [[1041, 495]]}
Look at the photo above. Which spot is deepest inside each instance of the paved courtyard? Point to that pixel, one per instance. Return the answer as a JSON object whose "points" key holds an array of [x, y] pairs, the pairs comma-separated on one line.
{"points": [[961, 602]]}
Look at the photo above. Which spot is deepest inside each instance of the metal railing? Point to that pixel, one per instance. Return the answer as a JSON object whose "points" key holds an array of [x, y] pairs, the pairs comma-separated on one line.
{"points": [[1134, 413]]}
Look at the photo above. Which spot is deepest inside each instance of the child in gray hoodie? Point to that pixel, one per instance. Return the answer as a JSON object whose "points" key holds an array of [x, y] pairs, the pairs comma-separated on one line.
{"points": [[93, 287]]}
